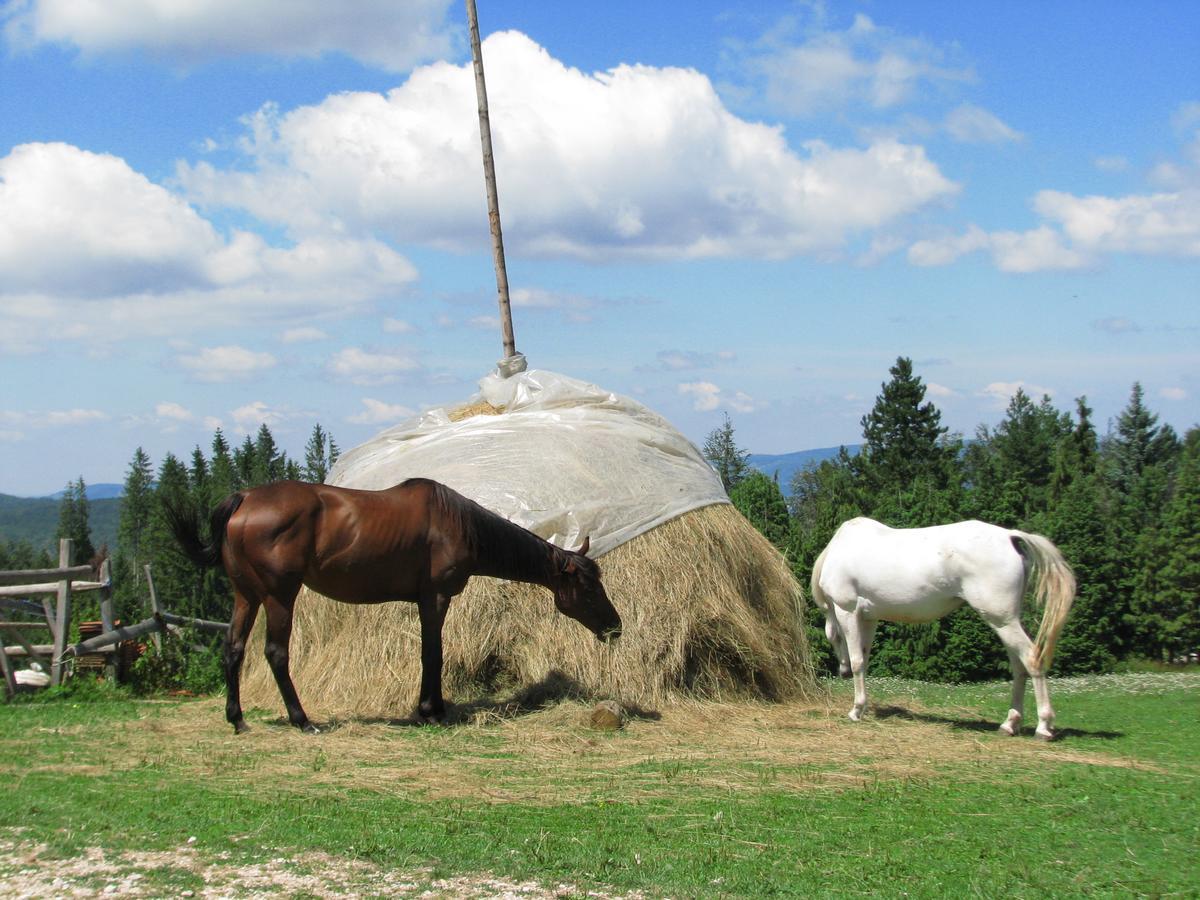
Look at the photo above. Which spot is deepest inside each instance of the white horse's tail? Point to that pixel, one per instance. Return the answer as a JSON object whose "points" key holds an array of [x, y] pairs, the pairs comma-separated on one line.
{"points": [[818, 595], [1053, 589]]}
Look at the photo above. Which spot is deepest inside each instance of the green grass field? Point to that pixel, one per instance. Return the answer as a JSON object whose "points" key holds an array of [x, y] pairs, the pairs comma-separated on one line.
{"points": [[158, 798]]}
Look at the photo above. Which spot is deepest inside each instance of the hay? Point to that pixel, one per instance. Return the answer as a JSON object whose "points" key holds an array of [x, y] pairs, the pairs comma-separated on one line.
{"points": [[709, 607]]}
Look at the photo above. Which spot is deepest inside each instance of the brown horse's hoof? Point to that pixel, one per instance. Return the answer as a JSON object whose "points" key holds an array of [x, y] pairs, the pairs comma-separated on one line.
{"points": [[240, 727]]}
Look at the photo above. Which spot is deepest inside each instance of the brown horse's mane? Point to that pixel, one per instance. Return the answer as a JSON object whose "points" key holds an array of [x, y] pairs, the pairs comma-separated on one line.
{"points": [[493, 539]]}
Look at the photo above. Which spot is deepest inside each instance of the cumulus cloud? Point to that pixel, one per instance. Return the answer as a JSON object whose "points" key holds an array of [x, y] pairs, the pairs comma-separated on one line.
{"points": [[397, 326], [939, 390], [971, 124], [377, 412], [635, 162], [303, 335], [247, 419], [366, 367], [867, 64], [226, 363], [707, 396], [85, 240], [173, 411], [1173, 393], [381, 33], [14, 425], [1000, 392]]}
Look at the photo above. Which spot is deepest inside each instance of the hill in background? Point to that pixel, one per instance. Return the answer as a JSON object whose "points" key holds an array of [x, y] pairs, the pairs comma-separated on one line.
{"points": [[783, 466], [35, 519]]}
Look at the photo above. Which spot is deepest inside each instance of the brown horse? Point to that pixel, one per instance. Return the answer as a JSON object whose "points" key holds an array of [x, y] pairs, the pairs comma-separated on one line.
{"points": [[418, 541]]}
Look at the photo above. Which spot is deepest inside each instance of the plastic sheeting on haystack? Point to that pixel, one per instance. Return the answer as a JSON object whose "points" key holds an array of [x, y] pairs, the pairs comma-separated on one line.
{"points": [[565, 459]]}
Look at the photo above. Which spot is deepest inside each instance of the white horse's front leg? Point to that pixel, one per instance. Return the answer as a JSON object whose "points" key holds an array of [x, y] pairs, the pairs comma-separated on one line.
{"points": [[855, 631]]}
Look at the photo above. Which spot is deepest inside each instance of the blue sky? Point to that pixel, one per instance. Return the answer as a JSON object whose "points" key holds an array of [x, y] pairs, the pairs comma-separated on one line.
{"points": [[236, 212]]}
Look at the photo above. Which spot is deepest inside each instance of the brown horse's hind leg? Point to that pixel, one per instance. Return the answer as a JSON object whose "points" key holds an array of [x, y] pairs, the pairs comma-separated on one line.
{"points": [[432, 608], [279, 636], [245, 610]]}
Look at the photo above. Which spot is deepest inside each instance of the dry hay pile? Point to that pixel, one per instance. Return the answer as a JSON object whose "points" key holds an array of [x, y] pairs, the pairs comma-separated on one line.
{"points": [[710, 609]]}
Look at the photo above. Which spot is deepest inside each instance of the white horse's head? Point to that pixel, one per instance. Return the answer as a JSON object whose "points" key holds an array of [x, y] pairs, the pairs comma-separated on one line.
{"points": [[834, 632]]}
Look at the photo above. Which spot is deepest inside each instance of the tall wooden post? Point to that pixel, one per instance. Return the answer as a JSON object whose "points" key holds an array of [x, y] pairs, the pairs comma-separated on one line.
{"points": [[62, 618], [513, 361]]}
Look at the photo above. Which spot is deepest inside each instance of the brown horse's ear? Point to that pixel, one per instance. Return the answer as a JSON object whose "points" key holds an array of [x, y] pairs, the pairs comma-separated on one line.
{"points": [[583, 548]]}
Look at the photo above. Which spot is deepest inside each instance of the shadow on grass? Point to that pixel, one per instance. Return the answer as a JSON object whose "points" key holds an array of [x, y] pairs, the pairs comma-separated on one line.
{"points": [[554, 688], [984, 726]]}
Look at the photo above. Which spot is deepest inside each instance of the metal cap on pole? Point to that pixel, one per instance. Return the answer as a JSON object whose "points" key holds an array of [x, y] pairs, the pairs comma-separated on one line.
{"points": [[513, 361]]}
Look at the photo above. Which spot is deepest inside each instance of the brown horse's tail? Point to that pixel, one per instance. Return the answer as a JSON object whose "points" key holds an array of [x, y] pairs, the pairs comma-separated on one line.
{"points": [[1053, 588], [185, 524]]}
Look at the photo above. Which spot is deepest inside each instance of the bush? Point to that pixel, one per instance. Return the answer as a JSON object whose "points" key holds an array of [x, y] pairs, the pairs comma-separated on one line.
{"points": [[178, 666]]}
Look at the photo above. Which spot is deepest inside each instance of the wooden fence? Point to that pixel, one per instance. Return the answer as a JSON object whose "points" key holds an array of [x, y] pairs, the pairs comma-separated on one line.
{"points": [[18, 587]]}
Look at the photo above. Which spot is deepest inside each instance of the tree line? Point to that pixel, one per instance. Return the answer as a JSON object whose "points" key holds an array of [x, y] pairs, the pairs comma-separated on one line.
{"points": [[1124, 508]]}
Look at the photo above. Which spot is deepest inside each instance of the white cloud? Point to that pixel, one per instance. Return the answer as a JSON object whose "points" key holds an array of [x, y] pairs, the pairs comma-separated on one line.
{"points": [[865, 64], [680, 360], [1001, 392], [1173, 393], [377, 412], [1116, 325], [397, 326], [939, 390], [378, 32], [743, 403], [705, 395], [484, 323], [974, 125], [302, 335], [91, 249], [635, 162], [366, 367], [173, 411], [1111, 163], [247, 419], [18, 424], [1011, 251], [226, 363], [1165, 224]]}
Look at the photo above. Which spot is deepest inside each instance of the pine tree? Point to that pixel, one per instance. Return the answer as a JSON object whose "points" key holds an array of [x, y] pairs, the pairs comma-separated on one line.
{"points": [[73, 522], [269, 462], [320, 453], [137, 503], [726, 457], [1167, 599], [224, 478], [907, 454], [176, 578], [760, 500]]}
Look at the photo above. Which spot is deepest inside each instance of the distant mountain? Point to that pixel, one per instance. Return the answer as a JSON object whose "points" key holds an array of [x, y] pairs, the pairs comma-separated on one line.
{"points": [[785, 465], [97, 492], [35, 519]]}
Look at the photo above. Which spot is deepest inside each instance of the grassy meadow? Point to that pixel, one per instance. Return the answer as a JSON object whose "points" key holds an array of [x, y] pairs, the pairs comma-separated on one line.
{"points": [[123, 797]]}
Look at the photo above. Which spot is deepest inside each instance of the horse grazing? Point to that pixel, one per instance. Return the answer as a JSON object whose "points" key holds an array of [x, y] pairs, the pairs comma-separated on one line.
{"points": [[870, 572], [418, 541]]}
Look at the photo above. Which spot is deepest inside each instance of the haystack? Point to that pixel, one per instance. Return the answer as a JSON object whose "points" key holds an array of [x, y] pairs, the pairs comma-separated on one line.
{"points": [[710, 609]]}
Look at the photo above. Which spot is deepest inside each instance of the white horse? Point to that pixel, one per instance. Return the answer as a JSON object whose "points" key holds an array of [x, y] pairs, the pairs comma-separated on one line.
{"points": [[870, 572]]}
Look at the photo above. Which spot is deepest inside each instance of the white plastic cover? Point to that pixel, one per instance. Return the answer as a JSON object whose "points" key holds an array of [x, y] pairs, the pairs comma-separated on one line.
{"points": [[565, 459]]}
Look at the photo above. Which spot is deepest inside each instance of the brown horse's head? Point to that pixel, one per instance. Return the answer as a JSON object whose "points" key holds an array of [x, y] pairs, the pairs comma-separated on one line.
{"points": [[579, 594]]}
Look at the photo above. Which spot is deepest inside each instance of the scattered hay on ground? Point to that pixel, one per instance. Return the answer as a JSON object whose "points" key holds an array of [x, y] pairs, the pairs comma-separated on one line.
{"points": [[710, 610]]}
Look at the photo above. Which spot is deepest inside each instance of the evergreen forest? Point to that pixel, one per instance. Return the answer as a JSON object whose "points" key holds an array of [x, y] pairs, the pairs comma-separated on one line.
{"points": [[1123, 507]]}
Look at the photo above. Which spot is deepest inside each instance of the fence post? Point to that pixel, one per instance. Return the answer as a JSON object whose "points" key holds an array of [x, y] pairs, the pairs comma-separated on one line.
{"points": [[156, 611], [62, 620], [106, 617]]}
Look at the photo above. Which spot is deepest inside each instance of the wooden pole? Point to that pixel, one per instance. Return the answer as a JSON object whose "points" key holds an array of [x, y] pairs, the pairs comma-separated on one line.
{"points": [[156, 637], [106, 618], [62, 619], [513, 361]]}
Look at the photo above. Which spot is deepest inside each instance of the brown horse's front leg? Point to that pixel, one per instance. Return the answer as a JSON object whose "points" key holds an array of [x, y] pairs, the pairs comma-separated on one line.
{"points": [[245, 609], [432, 608], [279, 636]]}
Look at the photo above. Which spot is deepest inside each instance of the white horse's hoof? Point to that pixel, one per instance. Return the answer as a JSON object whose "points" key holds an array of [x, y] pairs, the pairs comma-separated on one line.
{"points": [[1007, 728], [1044, 735], [855, 715]]}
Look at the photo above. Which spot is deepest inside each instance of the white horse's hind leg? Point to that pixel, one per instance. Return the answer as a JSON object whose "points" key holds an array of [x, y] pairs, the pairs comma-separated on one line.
{"points": [[1016, 709], [1017, 642]]}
